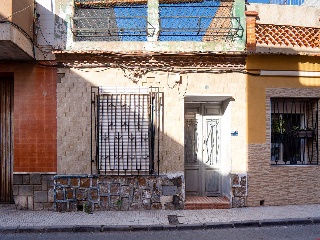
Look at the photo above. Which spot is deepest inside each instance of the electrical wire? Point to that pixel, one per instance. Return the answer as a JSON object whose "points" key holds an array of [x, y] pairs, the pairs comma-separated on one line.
{"points": [[32, 4], [125, 68]]}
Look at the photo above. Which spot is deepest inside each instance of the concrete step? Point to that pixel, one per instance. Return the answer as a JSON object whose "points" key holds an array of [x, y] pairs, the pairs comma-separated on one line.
{"points": [[196, 202]]}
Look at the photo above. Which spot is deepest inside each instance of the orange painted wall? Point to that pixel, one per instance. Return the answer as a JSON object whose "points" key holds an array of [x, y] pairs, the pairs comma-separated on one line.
{"points": [[277, 184], [257, 85], [35, 122]]}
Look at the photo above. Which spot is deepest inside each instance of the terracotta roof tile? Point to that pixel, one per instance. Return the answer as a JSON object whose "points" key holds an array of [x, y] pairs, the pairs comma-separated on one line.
{"points": [[295, 36]]}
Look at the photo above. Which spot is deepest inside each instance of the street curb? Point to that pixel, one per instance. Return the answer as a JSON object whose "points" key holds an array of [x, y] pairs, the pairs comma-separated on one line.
{"points": [[315, 220], [89, 228], [30, 229], [136, 228], [180, 227], [115, 228], [156, 228], [241, 224], [299, 221], [273, 222], [218, 225], [191, 227], [288, 222], [61, 228], [8, 229], [169, 227]]}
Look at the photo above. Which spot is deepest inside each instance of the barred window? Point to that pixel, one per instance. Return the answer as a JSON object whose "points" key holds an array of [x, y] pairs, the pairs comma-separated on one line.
{"points": [[294, 131], [127, 129]]}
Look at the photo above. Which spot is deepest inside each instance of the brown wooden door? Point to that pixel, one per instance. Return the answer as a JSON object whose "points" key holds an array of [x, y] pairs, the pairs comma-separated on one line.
{"points": [[6, 139]]}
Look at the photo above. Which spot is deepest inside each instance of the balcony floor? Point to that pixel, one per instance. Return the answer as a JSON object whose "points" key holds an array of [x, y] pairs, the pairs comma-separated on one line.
{"points": [[14, 45]]}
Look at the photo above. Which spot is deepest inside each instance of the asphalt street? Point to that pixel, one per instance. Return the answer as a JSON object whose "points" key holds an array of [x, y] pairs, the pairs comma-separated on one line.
{"points": [[295, 232]]}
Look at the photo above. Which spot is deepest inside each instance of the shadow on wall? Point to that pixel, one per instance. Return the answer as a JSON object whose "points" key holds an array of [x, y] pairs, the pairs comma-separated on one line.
{"points": [[126, 131], [124, 147], [35, 140], [34, 125], [43, 27]]}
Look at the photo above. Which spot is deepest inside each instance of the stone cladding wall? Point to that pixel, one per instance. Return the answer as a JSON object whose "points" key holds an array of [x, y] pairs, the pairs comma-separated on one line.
{"points": [[33, 191], [90, 193], [239, 190]]}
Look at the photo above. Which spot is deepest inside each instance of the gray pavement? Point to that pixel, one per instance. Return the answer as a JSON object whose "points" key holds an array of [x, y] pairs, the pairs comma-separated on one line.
{"points": [[12, 220]]}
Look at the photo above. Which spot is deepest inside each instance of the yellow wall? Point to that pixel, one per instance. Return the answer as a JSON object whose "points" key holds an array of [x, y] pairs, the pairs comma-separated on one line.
{"points": [[283, 62], [257, 85], [267, 183]]}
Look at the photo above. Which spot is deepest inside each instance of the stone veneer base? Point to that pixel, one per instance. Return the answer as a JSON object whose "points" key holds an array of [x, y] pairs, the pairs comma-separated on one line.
{"points": [[89, 193]]}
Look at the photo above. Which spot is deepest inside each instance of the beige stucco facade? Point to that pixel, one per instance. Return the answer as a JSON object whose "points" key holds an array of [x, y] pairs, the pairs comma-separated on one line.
{"points": [[74, 113], [286, 14], [179, 69]]}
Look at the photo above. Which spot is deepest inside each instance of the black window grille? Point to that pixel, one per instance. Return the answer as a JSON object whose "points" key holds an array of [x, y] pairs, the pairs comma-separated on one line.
{"points": [[294, 131], [126, 129]]}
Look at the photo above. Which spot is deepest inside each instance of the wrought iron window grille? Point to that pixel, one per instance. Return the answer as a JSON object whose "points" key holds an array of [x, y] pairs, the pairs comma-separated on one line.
{"points": [[294, 131], [125, 131]]}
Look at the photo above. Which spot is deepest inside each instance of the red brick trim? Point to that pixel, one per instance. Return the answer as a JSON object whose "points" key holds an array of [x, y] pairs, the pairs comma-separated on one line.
{"points": [[251, 17]]}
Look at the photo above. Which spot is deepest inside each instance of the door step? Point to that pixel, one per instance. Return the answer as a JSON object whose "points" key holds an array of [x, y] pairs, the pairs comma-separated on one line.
{"points": [[196, 202]]}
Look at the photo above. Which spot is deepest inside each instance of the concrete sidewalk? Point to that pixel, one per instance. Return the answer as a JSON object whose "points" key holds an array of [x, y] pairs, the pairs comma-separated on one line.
{"points": [[12, 220]]}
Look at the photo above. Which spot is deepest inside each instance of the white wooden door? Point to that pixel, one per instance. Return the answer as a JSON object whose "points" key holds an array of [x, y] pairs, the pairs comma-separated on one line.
{"points": [[202, 154]]}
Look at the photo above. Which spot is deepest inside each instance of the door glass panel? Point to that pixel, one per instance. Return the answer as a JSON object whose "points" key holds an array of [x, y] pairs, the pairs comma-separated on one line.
{"points": [[212, 142], [191, 142]]}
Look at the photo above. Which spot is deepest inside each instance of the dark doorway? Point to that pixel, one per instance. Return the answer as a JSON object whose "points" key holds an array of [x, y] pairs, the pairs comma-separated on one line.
{"points": [[6, 138]]}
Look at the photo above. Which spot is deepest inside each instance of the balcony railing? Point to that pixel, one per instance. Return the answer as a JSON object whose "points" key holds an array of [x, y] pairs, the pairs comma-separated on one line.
{"points": [[184, 20], [174, 28], [184, 28], [106, 28]]}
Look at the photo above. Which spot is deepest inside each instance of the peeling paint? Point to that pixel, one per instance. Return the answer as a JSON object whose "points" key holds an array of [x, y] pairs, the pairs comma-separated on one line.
{"points": [[64, 38]]}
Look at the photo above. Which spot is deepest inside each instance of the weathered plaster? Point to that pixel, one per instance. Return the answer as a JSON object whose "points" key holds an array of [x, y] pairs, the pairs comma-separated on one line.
{"points": [[14, 44], [64, 9], [286, 14]]}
